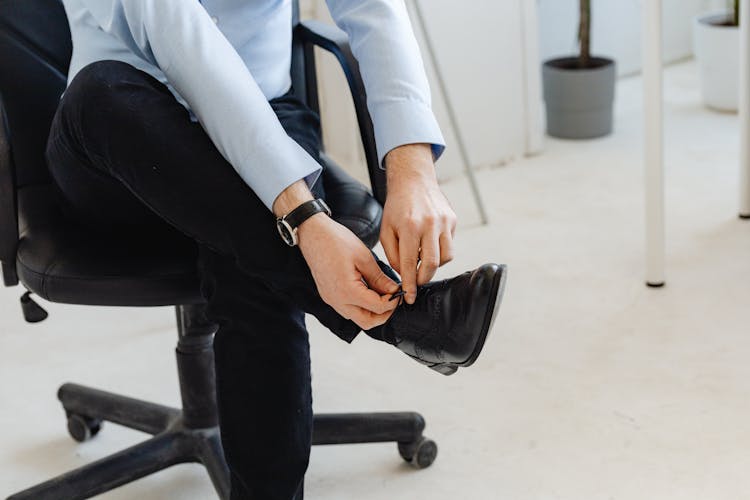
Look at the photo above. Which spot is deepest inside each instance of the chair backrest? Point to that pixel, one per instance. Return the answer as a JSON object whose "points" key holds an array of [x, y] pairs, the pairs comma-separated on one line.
{"points": [[35, 49]]}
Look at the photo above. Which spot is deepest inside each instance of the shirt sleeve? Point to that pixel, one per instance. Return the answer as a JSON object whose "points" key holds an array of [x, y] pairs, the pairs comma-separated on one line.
{"points": [[180, 38], [398, 94]]}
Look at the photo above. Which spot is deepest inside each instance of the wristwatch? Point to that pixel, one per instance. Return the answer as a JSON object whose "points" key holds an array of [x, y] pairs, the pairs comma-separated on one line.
{"points": [[288, 224]]}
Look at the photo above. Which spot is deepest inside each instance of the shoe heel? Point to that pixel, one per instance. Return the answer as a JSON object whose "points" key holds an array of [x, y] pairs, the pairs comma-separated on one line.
{"points": [[442, 368], [445, 369]]}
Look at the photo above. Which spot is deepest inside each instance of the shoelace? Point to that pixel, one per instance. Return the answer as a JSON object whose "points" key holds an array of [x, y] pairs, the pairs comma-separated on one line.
{"points": [[426, 291], [423, 303], [398, 295]]}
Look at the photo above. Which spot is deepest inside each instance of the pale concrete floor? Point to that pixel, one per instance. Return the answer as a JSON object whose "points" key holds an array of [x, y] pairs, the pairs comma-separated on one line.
{"points": [[591, 387]]}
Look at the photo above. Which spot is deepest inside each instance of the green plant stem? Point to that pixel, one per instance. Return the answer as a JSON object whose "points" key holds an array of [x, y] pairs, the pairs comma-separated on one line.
{"points": [[584, 33]]}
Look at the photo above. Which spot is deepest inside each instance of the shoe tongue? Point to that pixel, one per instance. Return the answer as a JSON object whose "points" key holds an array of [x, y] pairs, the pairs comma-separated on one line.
{"points": [[412, 321], [425, 291]]}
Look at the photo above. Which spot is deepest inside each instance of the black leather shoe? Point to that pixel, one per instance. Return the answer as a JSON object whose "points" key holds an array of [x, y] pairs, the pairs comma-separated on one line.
{"points": [[447, 325]]}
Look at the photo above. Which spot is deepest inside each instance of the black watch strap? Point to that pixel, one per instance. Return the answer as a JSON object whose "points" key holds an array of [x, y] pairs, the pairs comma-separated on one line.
{"points": [[288, 224], [305, 211]]}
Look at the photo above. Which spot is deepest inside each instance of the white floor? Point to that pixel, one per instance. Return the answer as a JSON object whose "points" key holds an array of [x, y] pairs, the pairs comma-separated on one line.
{"points": [[591, 387]]}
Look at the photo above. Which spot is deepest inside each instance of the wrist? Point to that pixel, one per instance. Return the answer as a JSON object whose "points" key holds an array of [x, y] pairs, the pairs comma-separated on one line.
{"points": [[411, 162], [316, 224], [289, 224], [292, 197]]}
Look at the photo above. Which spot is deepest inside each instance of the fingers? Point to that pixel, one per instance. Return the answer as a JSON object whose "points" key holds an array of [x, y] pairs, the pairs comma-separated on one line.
{"points": [[366, 307], [430, 258], [446, 248], [361, 296], [408, 249], [366, 320], [418, 242], [375, 277], [390, 245]]}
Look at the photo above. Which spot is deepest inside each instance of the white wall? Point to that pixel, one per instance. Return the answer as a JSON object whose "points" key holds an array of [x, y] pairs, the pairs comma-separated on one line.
{"points": [[488, 53], [616, 29]]}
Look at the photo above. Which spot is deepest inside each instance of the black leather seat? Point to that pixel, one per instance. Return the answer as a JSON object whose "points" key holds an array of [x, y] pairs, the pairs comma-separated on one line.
{"points": [[63, 262]]}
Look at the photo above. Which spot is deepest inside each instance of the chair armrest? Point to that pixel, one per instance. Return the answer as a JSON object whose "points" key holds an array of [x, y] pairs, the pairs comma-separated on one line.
{"points": [[333, 40]]}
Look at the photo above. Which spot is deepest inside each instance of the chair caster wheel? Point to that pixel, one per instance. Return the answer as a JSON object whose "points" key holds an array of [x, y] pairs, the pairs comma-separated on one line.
{"points": [[82, 428], [420, 454]]}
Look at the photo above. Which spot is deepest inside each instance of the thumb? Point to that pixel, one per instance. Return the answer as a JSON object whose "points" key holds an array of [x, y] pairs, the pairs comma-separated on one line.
{"points": [[375, 278]]}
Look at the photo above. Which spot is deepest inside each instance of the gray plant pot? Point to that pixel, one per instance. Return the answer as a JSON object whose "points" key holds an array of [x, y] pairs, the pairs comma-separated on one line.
{"points": [[579, 100]]}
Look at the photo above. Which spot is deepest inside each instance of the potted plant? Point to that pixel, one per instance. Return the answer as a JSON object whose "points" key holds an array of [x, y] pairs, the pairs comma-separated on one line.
{"points": [[716, 41], [579, 91]]}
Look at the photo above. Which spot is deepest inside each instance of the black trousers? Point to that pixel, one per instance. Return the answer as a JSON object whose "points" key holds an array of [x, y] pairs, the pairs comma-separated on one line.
{"points": [[126, 157]]}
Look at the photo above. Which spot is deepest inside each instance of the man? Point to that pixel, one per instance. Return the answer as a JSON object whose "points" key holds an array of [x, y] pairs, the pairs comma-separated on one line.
{"points": [[178, 116]]}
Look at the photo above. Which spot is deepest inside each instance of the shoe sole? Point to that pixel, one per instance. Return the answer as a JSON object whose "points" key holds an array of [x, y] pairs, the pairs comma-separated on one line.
{"points": [[498, 288]]}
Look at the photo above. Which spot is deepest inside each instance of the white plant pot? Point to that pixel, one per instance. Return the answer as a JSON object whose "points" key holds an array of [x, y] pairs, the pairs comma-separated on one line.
{"points": [[717, 51]]}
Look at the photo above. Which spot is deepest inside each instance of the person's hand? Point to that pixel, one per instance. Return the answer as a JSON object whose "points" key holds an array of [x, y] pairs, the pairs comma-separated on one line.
{"points": [[418, 222], [339, 262]]}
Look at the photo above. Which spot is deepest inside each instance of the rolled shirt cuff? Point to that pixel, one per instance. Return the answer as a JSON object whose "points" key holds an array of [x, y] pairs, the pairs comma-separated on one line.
{"points": [[405, 122], [271, 173]]}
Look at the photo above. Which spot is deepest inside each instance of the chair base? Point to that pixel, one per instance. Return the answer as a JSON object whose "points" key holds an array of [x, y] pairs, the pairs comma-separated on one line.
{"points": [[191, 434], [174, 443]]}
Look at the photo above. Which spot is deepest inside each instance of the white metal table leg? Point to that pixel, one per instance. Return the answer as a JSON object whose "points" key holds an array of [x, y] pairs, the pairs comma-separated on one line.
{"points": [[653, 141], [744, 211]]}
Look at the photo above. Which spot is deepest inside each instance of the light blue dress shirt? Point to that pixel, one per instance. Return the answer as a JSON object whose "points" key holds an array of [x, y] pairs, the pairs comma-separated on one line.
{"points": [[225, 59]]}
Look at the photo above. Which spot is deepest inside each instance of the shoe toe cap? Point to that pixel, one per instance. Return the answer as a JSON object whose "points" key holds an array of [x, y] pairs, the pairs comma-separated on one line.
{"points": [[484, 278], [483, 287]]}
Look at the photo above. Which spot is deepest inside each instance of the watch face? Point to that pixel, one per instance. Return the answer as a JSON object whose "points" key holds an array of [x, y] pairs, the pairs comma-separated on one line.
{"points": [[286, 232]]}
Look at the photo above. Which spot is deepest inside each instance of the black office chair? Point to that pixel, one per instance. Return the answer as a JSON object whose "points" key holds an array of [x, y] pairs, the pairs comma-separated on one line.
{"points": [[62, 262]]}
